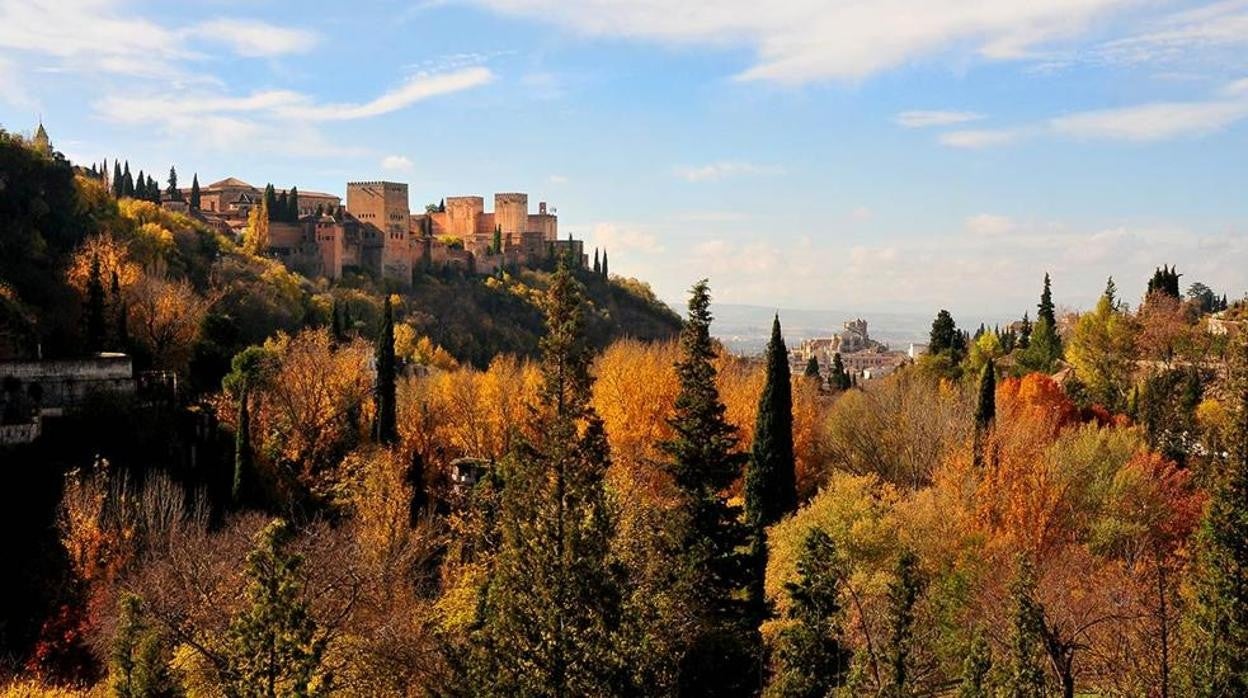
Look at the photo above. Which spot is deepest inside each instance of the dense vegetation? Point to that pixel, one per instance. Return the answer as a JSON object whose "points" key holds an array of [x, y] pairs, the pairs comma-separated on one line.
{"points": [[1052, 508]]}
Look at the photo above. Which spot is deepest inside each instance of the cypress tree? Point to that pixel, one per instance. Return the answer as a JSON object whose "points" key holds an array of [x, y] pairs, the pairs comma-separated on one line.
{"points": [[1219, 618], [270, 200], [335, 322], [244, 469], [95, 310], [812, 369], [704, 460], [414, 476], [174, 193], [597, 262], [292, 206], [1111, 293], [119, 182], [127, 182], [273, 646], [140, 186], [498, 240], [985, 409], [552, 606], [809, 659], [281, 211], [195, 194], [975, 670], [903, 593], [605, 273], [1026, 673], [839, 379], [771, 480], [386, 429]]}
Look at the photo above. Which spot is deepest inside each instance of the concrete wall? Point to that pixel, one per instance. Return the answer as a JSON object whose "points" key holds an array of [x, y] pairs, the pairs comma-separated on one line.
{"points": [[67, 382]]}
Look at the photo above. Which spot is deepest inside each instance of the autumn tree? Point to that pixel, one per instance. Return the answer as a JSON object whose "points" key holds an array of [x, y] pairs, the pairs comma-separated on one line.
{"points": [[809, 658], [256, 236], [704, 461], [166, 317], [138, 661], [1101, 350], [552, 606]]}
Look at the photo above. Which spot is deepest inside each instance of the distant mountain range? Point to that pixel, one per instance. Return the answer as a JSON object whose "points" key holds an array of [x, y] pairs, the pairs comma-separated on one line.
{"points": [[744, 329]]}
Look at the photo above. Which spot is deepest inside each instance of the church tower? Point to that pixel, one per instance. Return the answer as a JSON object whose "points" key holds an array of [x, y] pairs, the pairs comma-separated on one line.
{"points": [[42, 143]]}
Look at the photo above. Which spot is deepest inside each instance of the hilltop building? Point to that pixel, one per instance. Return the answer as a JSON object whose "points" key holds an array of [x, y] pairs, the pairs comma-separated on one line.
{"points": [[377, 232]]}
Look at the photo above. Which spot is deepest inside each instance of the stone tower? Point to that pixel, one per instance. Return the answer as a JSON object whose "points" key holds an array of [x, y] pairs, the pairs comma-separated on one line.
{"points": [[511, 214], [385, 205]]}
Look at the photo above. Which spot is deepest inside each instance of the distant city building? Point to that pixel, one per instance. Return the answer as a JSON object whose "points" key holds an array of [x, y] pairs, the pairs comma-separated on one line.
{"points": [[860, 355]]}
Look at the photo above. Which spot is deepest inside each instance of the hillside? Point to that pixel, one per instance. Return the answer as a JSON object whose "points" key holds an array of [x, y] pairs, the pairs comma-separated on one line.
{"points": [[191, 298]]}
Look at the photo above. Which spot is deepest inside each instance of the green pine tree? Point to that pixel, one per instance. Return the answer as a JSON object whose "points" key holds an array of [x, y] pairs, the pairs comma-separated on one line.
{"points": [[1218, 621], [273, 646], [552, 606], [812, 369], [174, 193], [195, 194], [247, 371], [809, 660], [386, 428], [975, 670], [138, 656], [497, 245], [1047, 311], [704, 461], [292, 206]]}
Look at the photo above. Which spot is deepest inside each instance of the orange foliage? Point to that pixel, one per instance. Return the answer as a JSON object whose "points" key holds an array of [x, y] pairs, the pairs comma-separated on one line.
{"points": [[1035, 398]]}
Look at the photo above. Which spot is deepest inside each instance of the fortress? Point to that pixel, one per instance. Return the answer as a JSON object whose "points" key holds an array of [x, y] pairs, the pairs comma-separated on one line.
{"points": [[377, 232]]}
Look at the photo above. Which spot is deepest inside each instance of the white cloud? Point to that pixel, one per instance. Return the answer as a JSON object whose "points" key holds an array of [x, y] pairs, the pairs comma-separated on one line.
{"points": [[1182, 36], [396, 163], [723, 170], [557, 179], [924, 119], [983, 138], [799, 41], [861, 213], [254, 39], [105, 35], [229, 122], [414, 89], [1152, 122], [989, 224], [624, 238]]}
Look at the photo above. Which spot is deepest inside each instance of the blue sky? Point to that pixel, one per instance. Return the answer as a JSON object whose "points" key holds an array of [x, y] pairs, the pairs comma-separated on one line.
{"points": [[859, 154]]}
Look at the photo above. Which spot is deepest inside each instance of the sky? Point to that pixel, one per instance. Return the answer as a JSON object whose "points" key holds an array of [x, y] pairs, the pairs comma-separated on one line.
{"points": [[868, 155]]}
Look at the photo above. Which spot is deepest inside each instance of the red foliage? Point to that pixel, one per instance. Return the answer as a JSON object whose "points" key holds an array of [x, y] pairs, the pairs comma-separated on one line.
{"points": [[61, 655]]}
